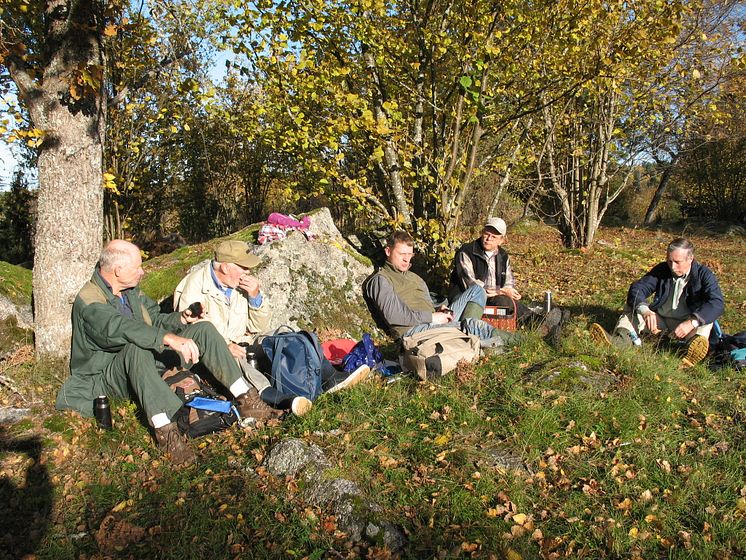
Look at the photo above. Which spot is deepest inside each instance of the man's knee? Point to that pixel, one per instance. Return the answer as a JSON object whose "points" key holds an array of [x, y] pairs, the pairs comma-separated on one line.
{"points": [[202, 331], [135, 363], [133, 354], [476, 294]]}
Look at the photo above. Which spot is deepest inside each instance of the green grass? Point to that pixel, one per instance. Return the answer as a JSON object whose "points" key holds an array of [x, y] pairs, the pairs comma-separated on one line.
{"points": [[15, 283], [620, 454]]}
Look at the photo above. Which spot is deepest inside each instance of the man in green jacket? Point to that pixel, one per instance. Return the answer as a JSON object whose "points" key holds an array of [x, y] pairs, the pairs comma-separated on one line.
{"points": [[122, 343]]}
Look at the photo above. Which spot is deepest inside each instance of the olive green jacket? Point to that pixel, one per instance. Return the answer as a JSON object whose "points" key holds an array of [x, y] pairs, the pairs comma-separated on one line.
{"points": [[100, 332]]}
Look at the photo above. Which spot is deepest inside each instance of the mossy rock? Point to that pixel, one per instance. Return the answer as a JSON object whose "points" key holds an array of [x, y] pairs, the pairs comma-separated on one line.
{"points": [[577, 372], [13, 336]]}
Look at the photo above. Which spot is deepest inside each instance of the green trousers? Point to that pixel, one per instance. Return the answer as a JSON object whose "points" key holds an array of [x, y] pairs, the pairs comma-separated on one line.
{"points": [[138, 371]]}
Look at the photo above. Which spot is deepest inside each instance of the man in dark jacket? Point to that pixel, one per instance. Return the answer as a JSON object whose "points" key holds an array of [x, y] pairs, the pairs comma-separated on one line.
{"points": [[686, 302], [121, 343], [484, 262]]}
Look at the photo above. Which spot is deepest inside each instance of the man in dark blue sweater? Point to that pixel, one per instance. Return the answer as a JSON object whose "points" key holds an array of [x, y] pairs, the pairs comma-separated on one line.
{"points": [[686, 302]]}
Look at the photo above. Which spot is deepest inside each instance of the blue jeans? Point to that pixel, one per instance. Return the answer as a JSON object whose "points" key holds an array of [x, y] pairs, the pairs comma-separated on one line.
{"points": [[477, 327]]}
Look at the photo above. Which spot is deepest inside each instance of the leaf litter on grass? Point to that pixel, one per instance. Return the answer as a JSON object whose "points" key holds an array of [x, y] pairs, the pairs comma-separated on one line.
{"points": [[579, 452]]}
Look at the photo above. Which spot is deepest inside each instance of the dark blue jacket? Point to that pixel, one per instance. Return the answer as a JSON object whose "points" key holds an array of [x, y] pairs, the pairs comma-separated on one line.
{"points": [[702, 291]]}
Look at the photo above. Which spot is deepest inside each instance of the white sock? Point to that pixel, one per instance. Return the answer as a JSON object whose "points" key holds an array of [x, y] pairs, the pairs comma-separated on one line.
{"points": [[160, 420], [239, 387]]}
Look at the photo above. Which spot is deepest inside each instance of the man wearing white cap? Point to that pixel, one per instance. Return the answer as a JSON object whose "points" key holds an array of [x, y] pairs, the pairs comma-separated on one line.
{"points": [[484, 262]]}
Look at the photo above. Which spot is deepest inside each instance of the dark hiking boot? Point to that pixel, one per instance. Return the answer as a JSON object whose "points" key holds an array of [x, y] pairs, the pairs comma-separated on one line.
{"points": [[695, 352], [554, 337], [173, 443], [250, 405], [551, 320]]}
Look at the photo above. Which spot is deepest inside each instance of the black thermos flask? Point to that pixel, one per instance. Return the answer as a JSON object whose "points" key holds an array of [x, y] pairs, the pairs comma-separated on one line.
{"points": [[102, 412]]}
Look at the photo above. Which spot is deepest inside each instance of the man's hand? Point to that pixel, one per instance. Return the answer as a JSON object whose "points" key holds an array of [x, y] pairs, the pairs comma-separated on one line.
{"points": [[236, 350], [192, 314], [250, 285], [492, 293], [651, 321], [683, 329], [184, 346], [442, 317], [512, 293]]}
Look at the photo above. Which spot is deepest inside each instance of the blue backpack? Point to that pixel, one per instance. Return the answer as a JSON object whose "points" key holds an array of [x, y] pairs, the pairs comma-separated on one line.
{"points": [[297, 362], [730, 351]]}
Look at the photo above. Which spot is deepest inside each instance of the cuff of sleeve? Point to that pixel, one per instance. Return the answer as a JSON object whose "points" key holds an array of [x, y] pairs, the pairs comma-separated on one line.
{"points": [[256, 301], [643, 308], [160, 345]]}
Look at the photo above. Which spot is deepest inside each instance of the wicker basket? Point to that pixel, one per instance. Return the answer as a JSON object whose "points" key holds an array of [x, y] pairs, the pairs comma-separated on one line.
{"points": [[500, 317]]}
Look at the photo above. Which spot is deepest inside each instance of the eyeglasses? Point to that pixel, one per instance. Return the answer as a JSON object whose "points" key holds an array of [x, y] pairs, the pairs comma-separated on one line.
{"points": [[488, 235]]}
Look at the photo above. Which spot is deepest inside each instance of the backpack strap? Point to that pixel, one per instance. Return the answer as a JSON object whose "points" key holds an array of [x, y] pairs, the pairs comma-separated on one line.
{"points": [[279, 344]]}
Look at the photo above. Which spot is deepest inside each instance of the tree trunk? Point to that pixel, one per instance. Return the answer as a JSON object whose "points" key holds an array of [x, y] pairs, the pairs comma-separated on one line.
{"points": [[67, 103], [662, 185], [390, 155]]}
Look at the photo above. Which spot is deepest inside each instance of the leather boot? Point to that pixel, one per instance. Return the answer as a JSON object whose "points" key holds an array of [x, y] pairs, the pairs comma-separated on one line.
{"points": [[174, 444], [250, 405]]}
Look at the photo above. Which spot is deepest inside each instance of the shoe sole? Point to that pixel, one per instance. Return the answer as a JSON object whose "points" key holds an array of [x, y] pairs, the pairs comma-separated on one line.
{"points": [[301, 406], [696, 352], [599, 335], [554, 338], [181, 460], [357, 376]]}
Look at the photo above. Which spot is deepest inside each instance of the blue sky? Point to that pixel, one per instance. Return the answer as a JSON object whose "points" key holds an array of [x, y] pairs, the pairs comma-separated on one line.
{"points": [[7, 166]]}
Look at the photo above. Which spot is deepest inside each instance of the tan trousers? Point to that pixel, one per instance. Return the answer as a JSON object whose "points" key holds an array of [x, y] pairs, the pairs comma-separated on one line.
{"points": [[634, 322]]}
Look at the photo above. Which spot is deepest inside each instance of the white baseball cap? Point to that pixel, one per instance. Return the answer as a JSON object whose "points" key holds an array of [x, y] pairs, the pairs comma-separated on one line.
{"points": [[498, 224]]}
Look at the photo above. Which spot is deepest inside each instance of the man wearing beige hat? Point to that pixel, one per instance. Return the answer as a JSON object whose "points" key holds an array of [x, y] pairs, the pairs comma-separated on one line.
{"points": [[232, 300]]}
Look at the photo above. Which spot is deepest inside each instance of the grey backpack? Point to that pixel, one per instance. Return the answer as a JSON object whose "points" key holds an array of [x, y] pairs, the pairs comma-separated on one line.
{"points": [[435, 352]]}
